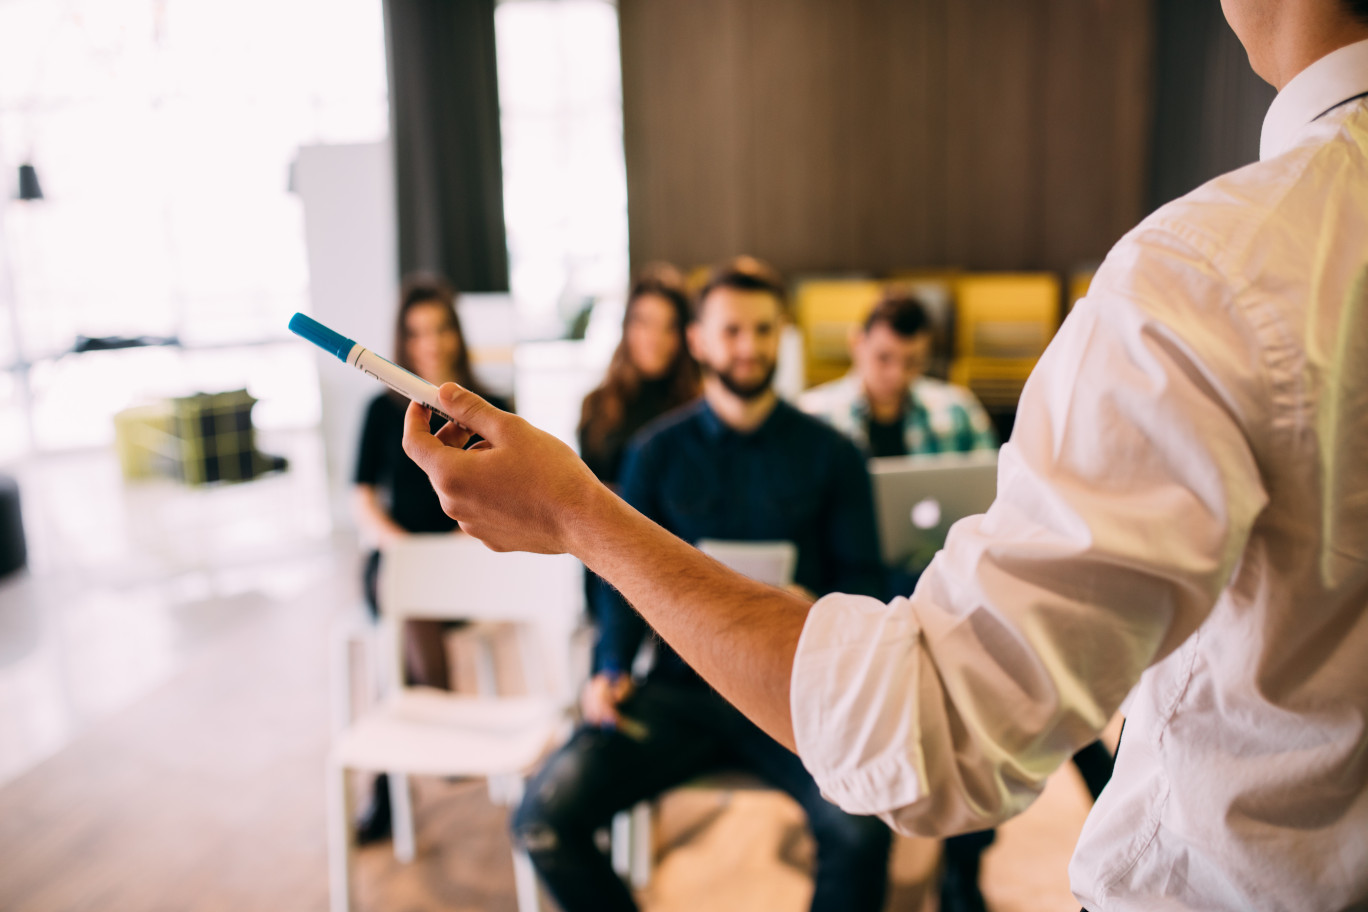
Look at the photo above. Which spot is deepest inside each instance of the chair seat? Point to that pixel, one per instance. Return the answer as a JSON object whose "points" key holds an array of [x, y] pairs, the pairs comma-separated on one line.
{"points": [[431, 732]]}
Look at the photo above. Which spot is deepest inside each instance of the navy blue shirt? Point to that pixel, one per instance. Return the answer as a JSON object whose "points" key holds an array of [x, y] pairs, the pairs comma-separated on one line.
{"points": [[793, 478]]}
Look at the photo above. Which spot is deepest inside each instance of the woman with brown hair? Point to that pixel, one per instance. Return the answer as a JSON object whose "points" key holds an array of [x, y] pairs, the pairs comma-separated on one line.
{"points": [[650, 372], [393, 497]]}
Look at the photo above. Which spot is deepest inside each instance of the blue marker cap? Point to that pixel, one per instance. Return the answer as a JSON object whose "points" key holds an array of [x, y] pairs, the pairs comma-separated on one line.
{"points": [[315, 332]]}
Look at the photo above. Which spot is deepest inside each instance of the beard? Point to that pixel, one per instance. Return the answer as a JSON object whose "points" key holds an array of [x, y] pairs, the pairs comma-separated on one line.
{"points": [[743, 390]]}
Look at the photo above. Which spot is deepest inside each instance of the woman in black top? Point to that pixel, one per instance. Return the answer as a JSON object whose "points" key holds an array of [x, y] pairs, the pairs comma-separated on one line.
{"points": [[393, 497], [650, 373]]}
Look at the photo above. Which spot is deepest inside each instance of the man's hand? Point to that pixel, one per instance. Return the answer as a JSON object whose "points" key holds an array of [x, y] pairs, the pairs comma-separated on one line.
{"points": [[519, 489], [602, 696]]}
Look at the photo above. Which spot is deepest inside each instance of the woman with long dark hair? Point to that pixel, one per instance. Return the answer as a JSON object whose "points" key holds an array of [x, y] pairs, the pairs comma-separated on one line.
{"points": [[393, 497], [650, 373]]}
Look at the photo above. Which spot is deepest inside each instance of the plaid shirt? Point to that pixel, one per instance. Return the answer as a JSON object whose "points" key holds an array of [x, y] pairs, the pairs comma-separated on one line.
{"points": [[943, 418]]}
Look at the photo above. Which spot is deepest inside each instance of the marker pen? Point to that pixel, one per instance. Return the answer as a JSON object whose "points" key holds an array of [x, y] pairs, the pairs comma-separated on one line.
{"points": [[403, 382]]}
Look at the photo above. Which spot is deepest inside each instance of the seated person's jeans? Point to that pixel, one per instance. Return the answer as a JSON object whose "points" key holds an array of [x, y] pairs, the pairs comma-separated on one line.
{"points": [[679, 733]]}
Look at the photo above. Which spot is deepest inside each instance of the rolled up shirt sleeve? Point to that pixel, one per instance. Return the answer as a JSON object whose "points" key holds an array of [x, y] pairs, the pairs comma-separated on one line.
{"points": [[1124, 501]]}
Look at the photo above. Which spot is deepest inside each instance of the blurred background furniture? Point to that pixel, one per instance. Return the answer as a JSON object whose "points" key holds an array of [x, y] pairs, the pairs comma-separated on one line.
{"points": [[422, 731], [1003, 321], [199, 439]]}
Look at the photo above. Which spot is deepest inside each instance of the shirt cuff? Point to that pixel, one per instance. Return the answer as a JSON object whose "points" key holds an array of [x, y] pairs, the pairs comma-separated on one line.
{"points": [[854, 702]]}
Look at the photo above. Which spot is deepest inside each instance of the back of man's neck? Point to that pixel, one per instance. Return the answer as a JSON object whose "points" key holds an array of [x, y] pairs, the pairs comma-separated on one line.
{"points": [[741, 415]]}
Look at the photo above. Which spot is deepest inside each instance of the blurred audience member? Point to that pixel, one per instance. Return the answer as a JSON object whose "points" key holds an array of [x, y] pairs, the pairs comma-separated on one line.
{"points": [[886, 404], [739, 464], [650, 373], [393, 497]]}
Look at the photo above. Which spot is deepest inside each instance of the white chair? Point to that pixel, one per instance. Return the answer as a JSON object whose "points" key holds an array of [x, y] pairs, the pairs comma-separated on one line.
{"points": [[422, 731], [771, 562]]}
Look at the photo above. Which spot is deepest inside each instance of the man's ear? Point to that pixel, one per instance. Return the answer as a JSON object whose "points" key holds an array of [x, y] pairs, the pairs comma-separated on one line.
{"points": [[854, 339]]}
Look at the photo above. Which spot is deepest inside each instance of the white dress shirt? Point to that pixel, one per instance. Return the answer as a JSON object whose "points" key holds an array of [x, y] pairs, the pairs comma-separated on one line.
{"points": [[1183, 504]]}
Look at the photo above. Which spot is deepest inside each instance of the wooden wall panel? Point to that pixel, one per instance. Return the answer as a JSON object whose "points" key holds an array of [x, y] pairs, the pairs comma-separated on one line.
{"points": [[1098, 96], [875, 135], [994, 56]]}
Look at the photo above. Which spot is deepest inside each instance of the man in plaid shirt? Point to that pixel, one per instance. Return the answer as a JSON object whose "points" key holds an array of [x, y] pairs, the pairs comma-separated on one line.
{"points": [[889, 408], [885, 404]]}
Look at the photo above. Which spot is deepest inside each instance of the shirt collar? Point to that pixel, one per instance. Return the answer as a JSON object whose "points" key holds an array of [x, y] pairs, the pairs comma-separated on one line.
{"points": [[714, 427], [1330, 81], [860, 399]]}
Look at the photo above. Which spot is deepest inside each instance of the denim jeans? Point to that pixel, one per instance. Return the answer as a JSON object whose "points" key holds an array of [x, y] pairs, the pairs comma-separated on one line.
{"points": [[676, 734]]}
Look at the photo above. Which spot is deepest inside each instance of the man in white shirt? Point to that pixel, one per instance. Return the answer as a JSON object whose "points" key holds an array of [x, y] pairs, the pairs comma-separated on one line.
{"points": [[1182, 511]]}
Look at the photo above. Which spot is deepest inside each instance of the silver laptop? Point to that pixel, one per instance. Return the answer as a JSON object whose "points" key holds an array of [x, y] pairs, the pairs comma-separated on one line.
{"points": [[918, 498]]}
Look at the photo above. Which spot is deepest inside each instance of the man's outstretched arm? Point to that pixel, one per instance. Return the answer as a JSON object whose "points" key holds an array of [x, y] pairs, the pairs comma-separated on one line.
{"points": [[523, 490], [1124, 503]]}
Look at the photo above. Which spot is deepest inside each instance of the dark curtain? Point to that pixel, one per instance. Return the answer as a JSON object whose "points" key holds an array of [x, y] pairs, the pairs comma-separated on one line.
{"points": [[444, 120], [1209, 104]]}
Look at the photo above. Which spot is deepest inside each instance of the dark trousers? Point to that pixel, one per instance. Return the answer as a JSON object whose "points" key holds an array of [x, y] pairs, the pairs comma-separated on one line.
{"points": [[676, 734]]}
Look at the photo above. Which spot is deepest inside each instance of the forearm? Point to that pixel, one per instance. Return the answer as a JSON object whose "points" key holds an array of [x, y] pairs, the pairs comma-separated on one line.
{"points": [[738, 634], [522, 489]]}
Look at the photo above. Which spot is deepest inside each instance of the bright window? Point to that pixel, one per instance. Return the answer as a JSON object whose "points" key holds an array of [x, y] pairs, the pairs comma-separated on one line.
{"points": [[565, 183], [163, 132]]}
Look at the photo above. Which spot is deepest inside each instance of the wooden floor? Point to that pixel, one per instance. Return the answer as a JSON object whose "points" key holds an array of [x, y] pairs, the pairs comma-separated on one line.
{"points": [[203, 790]]}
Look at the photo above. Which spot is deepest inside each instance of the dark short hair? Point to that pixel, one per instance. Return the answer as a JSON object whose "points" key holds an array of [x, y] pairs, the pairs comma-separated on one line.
{"points": [[900, 311], [1358, 9], [743, 273]]}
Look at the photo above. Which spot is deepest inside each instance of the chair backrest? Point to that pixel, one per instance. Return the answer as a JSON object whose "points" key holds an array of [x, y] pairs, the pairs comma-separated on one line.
{"points": [[455, 577], [770, 562], [1005, 315], [825, 309]]}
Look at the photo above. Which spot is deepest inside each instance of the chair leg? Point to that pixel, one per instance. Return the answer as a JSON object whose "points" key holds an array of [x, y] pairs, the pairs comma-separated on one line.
{"points": [[620, 843], [642, 837], [505, 790], [486, 675], [401, 813], [354, 673], [340, 674], [525, 882], [341, 839], [630, 843]]}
